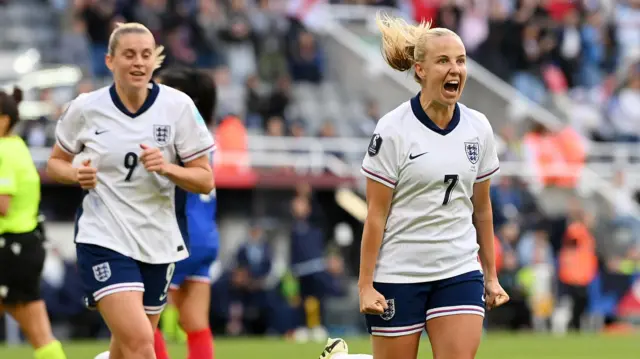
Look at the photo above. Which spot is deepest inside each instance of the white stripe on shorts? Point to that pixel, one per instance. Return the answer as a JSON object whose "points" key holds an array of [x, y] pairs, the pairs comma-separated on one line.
{"points": [[116, 288], [455, 310], [154, 310], [397, 331]]}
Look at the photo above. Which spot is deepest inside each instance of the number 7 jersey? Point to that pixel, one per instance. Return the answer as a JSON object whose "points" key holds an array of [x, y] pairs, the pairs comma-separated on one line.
{"points": [[131, 210], [429, 234]]}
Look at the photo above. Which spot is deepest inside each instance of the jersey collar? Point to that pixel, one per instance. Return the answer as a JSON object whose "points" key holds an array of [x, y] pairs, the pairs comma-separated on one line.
{"points": [[422, 116], [154, 90]]}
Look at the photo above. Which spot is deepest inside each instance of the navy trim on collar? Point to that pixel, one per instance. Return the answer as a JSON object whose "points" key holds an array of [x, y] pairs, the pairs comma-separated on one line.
{"points": [[148, 102], [422, 116]]}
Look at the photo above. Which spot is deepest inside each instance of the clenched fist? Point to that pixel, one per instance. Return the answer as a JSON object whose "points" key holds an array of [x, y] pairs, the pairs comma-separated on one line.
{"points": [[153, 160], [372, 302], [86, 175]]}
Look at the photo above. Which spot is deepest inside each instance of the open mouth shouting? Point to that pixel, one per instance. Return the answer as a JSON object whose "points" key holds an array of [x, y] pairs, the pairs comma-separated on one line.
{"points": [[451, 87]]}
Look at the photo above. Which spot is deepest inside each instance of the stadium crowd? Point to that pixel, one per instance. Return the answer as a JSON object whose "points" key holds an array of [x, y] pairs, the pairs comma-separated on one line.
{"points": [[583, 50]]}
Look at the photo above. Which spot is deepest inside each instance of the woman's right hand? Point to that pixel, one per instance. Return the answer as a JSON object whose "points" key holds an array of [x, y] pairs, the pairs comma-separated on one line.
{"points": [[371, 301], [86, 175]]}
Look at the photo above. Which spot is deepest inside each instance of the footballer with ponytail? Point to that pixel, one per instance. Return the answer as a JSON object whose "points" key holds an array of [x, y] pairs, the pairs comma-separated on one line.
{"points": [[428, 167], [136, 141]]}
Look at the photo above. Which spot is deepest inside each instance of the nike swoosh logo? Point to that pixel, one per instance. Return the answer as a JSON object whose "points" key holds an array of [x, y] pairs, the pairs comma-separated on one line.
{"points": [[98, 132], [412, 157]]}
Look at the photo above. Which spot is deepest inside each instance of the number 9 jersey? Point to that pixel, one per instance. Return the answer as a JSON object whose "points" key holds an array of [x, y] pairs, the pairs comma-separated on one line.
{"points": [[132, 211], [429, 234]]}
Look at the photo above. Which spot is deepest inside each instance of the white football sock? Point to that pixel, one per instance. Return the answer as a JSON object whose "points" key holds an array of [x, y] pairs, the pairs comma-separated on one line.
{"points": [[104, 355], [352, 356]]}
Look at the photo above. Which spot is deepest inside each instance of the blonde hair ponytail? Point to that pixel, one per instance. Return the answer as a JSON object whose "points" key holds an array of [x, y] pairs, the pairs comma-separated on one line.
{"points": [[403, 44], [160, 56]]}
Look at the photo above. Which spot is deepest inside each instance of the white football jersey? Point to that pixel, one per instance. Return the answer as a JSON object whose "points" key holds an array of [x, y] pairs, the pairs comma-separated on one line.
{"points": [[429, 233], [132, 211]]}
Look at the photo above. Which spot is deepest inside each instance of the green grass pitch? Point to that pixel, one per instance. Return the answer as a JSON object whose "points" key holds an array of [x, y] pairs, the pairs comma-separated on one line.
{"points": [[494, 346]]}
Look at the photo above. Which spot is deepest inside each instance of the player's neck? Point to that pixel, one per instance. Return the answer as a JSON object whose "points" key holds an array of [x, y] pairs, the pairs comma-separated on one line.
{"points": [[439, 113], [132, 98]]}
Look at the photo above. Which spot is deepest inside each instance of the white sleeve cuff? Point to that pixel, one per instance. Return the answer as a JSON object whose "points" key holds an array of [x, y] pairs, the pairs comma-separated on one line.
{"points": [[487, 175], [378, 178]]}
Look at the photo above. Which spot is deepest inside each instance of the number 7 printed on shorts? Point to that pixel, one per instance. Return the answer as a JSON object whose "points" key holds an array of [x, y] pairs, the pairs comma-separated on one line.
{"points": [[170, 269]]}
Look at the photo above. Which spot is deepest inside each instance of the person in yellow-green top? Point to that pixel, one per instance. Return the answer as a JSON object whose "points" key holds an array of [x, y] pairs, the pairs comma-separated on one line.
{"points": [[22, 252]]}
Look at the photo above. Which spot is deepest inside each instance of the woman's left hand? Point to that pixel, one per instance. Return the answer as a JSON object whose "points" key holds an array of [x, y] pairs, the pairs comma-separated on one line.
{"points": [[495, 295]]}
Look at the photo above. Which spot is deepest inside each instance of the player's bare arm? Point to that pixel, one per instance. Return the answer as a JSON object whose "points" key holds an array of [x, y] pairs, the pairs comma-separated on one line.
{"points": [[60, 169], [378, 203], [483, 221], [59, 166], [196, 176]]}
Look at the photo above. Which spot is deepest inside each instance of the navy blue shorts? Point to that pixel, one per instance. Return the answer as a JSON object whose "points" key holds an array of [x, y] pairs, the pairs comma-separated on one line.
{"points": [[196, 267], [104, 272], [411, 305]]}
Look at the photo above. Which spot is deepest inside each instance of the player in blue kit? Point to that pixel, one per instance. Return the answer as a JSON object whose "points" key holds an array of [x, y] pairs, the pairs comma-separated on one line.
{"points": [[190, 288], [129, 146]]}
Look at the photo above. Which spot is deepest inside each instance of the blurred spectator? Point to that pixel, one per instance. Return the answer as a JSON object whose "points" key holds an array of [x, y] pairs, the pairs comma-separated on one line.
{"points": [[279, 99], [275, 126], [625, 108], [255, 102], [626, 17], [210, 19], [317, 274], [272, 64], [239, 40], [569, 46], [99, 17], [532, 46], [370, 119], [599, 53], [306, 62], [75, 47], [578, 264], [297, 129], [548, 153], [231, 95], [255, 308]]}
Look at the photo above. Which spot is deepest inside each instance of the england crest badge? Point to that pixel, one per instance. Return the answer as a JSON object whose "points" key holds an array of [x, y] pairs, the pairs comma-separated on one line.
{"points": [[161, 134], [102, 272], [390, 312], [472, 150]]}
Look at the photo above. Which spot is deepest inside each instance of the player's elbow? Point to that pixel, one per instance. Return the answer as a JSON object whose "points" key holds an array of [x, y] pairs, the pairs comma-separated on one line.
{"points": [[206, 186], [210, 186]]}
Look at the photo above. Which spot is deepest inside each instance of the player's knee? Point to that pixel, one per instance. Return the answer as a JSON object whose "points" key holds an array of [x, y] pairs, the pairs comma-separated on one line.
{"points": [[193, 320], [137, 344]]}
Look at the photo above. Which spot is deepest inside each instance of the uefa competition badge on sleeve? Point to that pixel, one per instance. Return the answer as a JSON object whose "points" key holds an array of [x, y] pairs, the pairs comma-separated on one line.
{"points": [[374, 145]]}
